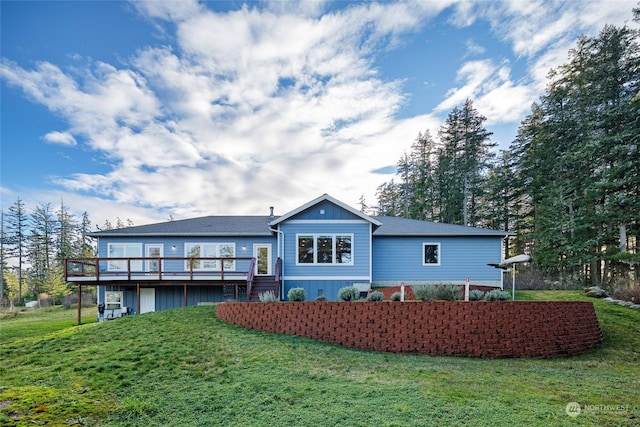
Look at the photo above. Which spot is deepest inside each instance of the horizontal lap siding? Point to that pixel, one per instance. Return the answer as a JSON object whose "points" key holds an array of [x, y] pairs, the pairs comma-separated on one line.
{"points": [[329, 287], [359, 251], [179, 243], [400, 258], [331, 212]]}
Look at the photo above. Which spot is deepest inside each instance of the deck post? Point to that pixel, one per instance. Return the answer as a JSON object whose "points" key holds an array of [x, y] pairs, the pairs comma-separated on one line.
{"points": [[79, 304], [137, 298], [185, 295]]}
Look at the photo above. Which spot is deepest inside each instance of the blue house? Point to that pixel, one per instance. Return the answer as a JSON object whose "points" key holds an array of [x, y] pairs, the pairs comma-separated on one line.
{"points": [[321, 246]]}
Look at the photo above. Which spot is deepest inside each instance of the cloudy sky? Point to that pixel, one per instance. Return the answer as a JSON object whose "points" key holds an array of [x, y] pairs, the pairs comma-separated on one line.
{"points": [[146, 110]]}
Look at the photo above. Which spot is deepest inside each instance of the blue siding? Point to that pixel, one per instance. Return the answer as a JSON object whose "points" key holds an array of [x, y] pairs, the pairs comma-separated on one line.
{"points": [[169, 243], [331, 211], [360, 249], [168, 297], [400, 259], [329, 288]]}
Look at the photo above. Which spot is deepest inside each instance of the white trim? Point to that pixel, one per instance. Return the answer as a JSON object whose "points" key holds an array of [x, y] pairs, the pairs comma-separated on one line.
{"points": [[324, 197], [217, 255], [147, 247], [334, 241], [328, 221], [353, 278], [371, 250], [430, 264], [114, 265], [269, 258]]}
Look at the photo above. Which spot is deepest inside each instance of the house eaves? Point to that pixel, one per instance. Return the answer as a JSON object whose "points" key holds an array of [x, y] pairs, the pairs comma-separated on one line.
{"points": [[328, 198]]}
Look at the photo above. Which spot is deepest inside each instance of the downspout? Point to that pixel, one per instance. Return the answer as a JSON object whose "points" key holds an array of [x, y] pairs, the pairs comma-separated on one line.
{"points": [[281, 256]]}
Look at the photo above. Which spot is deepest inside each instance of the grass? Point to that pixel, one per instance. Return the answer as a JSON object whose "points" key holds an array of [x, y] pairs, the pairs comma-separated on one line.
{"points": [[184, 367]]}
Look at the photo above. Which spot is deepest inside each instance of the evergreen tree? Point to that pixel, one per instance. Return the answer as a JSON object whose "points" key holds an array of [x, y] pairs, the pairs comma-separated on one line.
{"points": [[463, 161], [66, 232], [16, 241]]}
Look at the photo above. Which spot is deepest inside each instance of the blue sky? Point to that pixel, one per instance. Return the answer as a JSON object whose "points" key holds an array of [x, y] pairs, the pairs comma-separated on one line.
{"points": [[146, 110]]}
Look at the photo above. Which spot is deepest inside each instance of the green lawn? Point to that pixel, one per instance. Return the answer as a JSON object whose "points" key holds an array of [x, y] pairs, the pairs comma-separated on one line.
{"points": [[184, 367]]}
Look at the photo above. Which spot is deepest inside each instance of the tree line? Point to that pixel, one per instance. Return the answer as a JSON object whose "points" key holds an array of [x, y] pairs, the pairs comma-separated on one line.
{"points": [[569, 184], [33, 245]]}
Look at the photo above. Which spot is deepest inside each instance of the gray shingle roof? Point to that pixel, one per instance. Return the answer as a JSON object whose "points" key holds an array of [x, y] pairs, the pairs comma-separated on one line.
{"points": [[396, 226], [204, 226], [259, 226]]}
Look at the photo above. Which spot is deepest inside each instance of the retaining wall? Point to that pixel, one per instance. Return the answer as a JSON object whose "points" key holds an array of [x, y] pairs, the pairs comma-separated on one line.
{"points": [[443, 328]]}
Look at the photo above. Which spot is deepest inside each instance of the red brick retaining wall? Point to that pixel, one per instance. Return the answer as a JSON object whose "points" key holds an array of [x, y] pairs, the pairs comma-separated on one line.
{"points": [[474, 329]]}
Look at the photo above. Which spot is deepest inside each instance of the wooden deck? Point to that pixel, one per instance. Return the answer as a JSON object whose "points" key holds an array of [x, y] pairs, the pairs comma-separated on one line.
{"points": [[140, 272], [141, 269]]}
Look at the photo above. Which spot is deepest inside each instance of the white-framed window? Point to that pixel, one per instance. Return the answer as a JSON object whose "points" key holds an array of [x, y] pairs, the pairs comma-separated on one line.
{"points": [[124, 250], [324, 249], [209, 250], [431, 253], [113, 300]]}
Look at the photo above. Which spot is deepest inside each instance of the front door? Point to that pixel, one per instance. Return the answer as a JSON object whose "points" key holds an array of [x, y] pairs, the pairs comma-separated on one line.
{"points": [[147, 300], [154, 251], [262, 253]]}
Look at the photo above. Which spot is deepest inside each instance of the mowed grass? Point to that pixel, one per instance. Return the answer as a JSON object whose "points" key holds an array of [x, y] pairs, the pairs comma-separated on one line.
{"points": [[184, 367]]}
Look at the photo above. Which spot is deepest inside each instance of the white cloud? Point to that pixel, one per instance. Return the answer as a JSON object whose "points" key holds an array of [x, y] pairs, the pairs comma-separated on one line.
{"points": [[272, 105], [60, 138]]}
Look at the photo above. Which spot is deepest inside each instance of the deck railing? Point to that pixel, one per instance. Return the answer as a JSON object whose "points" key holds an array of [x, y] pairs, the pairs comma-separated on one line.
{"points": [[164, 268]]}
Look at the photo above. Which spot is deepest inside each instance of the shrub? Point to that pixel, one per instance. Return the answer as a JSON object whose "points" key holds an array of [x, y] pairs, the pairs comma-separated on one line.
{"points": [[424, 292], [448, 292], [321, 298], [268, 296], [375, 296], [349, 293], [631, 294], [395, 296], [476, 295], [297, 294], [497, 295]]}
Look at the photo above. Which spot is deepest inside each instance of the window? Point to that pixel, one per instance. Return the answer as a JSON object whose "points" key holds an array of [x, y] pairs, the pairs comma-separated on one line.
{"points": [[325, 249], [209, 250], [124, 250], [431, 254], [113, 300]]}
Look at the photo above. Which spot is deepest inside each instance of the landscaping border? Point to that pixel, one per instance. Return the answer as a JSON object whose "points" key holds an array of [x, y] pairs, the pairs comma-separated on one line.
{"points": [[507, 329]]}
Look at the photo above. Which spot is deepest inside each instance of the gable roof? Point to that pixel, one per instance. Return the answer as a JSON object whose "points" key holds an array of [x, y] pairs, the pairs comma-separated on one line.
{"points": [[396, 226], [229, 226], [208, 226], [324, 197]]}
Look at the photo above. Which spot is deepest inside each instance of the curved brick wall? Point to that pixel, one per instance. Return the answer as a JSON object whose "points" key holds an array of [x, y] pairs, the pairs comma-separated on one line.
{"points": [[474, 329]]}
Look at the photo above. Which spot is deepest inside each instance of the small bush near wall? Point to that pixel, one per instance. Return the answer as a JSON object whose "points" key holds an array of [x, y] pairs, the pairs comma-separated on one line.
{"points": [[268, 296], [396, 296], [348, 293], [448, 292], [375, 296], [297, 294], [476, 295], [425, 292], [497, 295]]}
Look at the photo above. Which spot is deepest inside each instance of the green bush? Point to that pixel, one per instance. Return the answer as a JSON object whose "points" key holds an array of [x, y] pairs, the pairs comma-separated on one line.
{"points": [[297, 294], [375, 296], [268, 296], [497, 295], [396, 296], [448, 292], [424, 292], [321, 298], [476, 295], [349, 293]]}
